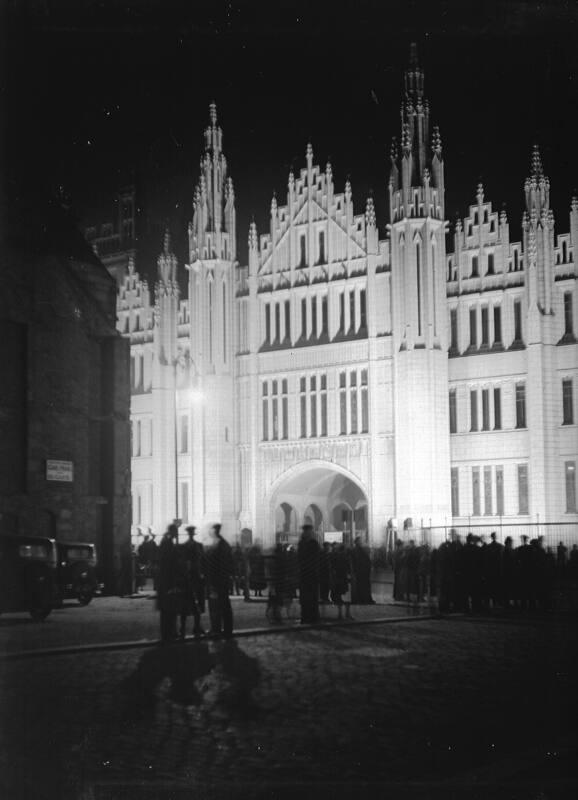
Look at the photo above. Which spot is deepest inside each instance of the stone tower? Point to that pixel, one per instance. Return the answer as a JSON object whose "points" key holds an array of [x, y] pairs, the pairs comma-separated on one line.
{"points": [[417, 230], [212, 252]]}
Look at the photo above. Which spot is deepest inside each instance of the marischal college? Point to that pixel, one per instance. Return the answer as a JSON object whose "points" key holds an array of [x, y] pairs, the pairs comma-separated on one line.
{"points": [[364, 384]]}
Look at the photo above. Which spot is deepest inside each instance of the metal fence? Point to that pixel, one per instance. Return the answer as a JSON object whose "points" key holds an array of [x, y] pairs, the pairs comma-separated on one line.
{"points": [[552, 533]]}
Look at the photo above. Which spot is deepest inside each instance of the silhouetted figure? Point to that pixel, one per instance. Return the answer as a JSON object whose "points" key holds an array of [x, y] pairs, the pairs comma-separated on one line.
{"points": [[292, 570], [509, 573], [423, 572], [308, 558], [398, 571], [168, 584], [219, 570], [324, 572], [240, 576], [193, 600], [493, 558], [278, 582], [340, 580], [524, 569], [360, 574], [257, 579]]}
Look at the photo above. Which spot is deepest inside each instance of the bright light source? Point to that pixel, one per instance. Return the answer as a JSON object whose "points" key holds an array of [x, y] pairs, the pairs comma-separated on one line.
{"points": [[196, 396]]}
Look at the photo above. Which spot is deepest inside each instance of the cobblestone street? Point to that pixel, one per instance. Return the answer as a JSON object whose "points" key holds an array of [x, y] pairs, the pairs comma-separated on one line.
{"points": [[455, 707]]}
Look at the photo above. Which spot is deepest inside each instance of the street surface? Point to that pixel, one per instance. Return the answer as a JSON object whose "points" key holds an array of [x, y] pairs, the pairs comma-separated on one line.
{"points": [[415, 707]]}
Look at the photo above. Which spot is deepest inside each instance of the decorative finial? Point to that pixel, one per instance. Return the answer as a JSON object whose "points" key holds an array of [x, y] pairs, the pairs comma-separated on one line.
{"points": [[328, 169], [347, 189], [436, 141], [536, 170], [574, 203], [252, 236], [406, 137], [167, 241], [291, 180], [503, 217], [274, 204], [393, 151], [213, 114], [369, 212], [131, 265], [459, 226], [309, 152], [229, 189], [480, 193]]}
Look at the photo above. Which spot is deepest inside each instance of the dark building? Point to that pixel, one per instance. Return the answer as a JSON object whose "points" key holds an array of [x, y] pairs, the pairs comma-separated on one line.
{"points": [[64, 400]]}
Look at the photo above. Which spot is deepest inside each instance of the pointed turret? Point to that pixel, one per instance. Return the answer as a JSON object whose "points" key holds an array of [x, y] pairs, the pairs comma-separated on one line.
{"points": [[167, 263], [253, 249], [537, 185], [538, 231]]}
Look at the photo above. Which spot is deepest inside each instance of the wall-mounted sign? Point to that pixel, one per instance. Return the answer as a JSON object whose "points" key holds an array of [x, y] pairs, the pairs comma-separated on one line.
{"points": [[62, 471], [334, 537]]}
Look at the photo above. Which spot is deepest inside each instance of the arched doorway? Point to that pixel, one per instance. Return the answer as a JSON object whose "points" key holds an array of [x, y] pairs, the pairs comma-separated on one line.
{"points": [[324, 495]]}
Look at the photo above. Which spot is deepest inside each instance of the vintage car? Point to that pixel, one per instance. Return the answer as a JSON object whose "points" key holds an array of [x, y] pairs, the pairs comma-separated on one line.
{"points": [[28, 567], [77, 575]]}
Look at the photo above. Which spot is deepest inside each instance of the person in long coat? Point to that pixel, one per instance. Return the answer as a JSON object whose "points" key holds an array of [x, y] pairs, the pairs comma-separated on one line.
{"points": [[219, 573], [193, 583], [308, 558], [168, 584], [361, 574]]}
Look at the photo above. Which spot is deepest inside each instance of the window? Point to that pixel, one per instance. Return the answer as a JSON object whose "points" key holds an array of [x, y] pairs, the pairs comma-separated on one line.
{"points": [[275, 411], [184, 509], [352, 311], [476, 491], [474, 410], [302, 251], [490, 264], [455, 492], [364, 403], [321, 247], [285, 409], [313, 406], [497, 325], [517, 320], [267, 323], [342, 404], [497, 409], [570, 473], [342, 312], [454, 330], [485, 409], [473, 328], [184, 443], [304, 318], [500, 491], [520, 405], [567, 402], [568, 316], [277, 322], [287, 321], [485, 327], [324, 318], [516, 261], [353, 401], [303, 406], [362, 310], [314, 317], [475, 269], [522, 488], [265, 406], [418, 283], [324, 405], [453, 412], [488, 491]]}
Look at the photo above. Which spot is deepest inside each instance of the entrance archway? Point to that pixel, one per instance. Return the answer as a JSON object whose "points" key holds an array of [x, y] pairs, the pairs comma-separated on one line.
{"points": [[319, 493]]}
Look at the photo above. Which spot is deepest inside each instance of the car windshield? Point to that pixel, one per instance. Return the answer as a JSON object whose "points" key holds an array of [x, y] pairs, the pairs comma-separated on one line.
{"points": [[33, 551], [78, 553]]}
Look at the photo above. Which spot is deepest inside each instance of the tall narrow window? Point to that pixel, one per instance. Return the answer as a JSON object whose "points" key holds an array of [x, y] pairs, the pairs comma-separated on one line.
{"points": [[210, 320], [324, 318], [304, 318], [277, 322], [314, 317], [570, 476], [500, 491], [138, 438], [364, 403], [567, 402], [323, 405], [517, 320], [497, 325], [520, 405], [302, 251], [184, 448], [476, 491], [454, 330], [321, 247], [274, 411], [453, 412], [523, 489], [488, 491], [497, 409], [224, 323], [313, 406], [353, 401], [475, 268], [568, 315], [342, 312], [474, 410], [342, 403], [485, 327], [285, 410], [490, 264], [352, 311], [516, 261], [265, 408], [455, 492], [473, 328], [287, 321], [184, 509], [362, 310], [418, 279], [485, 409], [268, 323], [303, 406], [133, 371]]}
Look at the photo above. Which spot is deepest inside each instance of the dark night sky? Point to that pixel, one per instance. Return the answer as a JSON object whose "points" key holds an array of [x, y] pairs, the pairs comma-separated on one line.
{"points": [[99, 93]]}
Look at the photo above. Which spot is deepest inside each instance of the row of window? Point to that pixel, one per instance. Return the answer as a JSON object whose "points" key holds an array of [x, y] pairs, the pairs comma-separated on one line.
{"points": [[487, 484], [313, 317], [311, 406], [515, 264]]}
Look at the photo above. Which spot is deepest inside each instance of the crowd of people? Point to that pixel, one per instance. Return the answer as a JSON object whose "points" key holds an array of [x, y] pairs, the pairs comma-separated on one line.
{"points": [[476, 575]]}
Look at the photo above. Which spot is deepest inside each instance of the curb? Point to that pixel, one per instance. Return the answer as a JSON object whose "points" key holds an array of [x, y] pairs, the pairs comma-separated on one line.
{"points": [[244, 633]]}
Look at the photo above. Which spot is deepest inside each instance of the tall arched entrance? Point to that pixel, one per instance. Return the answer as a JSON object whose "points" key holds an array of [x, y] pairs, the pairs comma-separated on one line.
{"points": [[323, 495]]}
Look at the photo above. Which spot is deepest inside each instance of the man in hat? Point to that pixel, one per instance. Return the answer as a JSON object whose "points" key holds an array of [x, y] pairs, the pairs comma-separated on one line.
{"points": [[192, 553], [219, 572]]}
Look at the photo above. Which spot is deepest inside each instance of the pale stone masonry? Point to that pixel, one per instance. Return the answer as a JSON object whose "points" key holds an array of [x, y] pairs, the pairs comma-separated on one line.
{"points": [[354, 381]]}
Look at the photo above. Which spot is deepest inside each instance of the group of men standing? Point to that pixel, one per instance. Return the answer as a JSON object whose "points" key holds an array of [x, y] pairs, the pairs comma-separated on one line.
{"points": [[191, 576]]}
